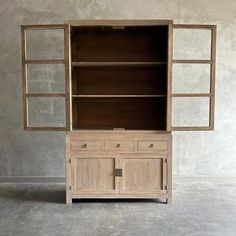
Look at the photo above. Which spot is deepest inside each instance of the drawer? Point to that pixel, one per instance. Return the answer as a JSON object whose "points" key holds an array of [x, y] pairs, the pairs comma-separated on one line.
{"points": [[83, 145], [119, 145], [152, 145]]}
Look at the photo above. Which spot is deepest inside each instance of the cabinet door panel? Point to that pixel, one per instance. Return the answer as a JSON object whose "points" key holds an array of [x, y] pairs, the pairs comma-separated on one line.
{"points": [[46, 112], [45, 43], [190, 111], [193, 62], [143, 174], [45, 73], [192, 43], [191, 78], [46, 78], [93, 174]]}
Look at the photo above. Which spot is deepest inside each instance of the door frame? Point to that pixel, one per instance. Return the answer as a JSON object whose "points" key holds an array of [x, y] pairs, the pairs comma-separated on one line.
{"points": [[211, 62], [26, 61]]}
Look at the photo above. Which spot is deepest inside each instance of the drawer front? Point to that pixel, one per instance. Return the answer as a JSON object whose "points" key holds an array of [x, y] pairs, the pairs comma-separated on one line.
{"points": [[119, 145], [83, 145], [152, 145]]}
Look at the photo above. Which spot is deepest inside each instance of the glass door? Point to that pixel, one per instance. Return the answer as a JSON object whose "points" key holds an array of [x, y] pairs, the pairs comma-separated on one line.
{"points": [[45, 70], [192, 85]]}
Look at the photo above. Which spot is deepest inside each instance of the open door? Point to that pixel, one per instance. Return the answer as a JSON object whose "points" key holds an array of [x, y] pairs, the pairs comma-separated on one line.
{"points": [[45, 71], [191, 92]]}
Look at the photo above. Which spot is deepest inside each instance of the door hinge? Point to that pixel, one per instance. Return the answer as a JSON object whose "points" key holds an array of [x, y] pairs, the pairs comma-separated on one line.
{"points": [[70, 160], [69, 187], [166, 188], [166, 160]]}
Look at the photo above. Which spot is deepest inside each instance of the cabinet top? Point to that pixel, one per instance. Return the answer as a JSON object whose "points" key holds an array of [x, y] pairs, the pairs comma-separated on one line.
{"points": [[118, 22]]}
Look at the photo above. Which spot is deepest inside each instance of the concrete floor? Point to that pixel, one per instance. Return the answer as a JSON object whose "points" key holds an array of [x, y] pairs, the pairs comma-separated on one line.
{"points": [[39, 209]]}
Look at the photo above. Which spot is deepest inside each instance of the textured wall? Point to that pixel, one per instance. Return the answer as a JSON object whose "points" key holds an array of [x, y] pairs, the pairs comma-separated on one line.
{"points": [[42, 154]]}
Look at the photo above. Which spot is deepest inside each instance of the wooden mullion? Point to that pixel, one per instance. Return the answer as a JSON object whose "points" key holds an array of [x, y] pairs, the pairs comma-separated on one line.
{"points": [[69, 81], [50, 61], [98, 64], [24, 75], [25, 61], [191, 95], [192, 128], [67, 76], [188, 61], [43, 27], [124, 23], [212, 77], [192, 26], [212, 63], [45, 95], [45, 128], [169, 78]]}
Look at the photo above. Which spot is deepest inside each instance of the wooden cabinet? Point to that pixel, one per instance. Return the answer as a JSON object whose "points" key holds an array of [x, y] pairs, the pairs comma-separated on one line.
{"points": [[119, 169], [118, 88]]}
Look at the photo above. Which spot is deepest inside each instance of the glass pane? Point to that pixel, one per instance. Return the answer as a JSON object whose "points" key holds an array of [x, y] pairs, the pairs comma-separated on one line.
{"points": [[45, 44], [191, 78], [192, 44], [46, 78], [190, 111], [46, 112]]}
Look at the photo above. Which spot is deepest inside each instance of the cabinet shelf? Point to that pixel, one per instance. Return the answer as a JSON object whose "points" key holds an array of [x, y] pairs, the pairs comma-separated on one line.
{"points": [[101, 64], [118, 96]]}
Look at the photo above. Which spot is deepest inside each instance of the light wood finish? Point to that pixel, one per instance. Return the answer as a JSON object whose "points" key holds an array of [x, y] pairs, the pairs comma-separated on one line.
{"points": [[118, 22], [212, 77], [169, 78], [24, 82], [86, 145], [93, 170], [45, 95], [192, 95], [53, 61], [193, 26], [69, 82], [26, 61], [118, 93], [67, 76], [93, 173], [43, 27], [68, 168], [133, 195], [193, 61], [119, 145], [211, 93], [142, 174], [169, 171], [152, 145], [192, 128]]}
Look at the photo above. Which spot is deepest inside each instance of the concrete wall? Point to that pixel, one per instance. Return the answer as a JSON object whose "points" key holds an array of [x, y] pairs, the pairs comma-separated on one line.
{"points": [[209, 154]]}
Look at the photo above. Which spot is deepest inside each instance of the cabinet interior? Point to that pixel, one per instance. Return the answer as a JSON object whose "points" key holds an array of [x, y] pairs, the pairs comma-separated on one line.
{"points": [[119, 77]]}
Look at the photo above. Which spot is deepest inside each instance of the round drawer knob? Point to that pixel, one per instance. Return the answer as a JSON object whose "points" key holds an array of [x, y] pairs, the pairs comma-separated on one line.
{"points": [[151, 145], [118, 145], [84, 145]]}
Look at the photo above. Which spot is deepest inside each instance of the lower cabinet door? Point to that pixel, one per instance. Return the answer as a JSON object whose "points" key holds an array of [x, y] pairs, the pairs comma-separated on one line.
{"points": [[143, 174], [93, 174]]}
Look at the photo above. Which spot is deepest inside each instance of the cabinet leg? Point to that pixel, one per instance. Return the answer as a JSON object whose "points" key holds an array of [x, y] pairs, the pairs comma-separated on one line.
{"points": [[68, 200], [169, 200], [68, 197]]}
